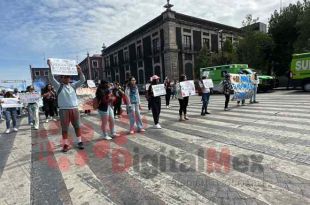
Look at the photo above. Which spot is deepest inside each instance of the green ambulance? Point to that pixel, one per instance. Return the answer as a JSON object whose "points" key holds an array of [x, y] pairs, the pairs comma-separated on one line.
{"points": [[216, 73], [300, 68]]}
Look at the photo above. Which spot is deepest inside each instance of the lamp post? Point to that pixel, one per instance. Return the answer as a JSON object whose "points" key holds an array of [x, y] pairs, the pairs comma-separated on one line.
{"points": [[221, 32]]}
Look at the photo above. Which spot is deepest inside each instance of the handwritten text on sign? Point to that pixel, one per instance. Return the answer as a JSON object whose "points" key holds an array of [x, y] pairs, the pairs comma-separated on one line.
{"points": [[63, 67], [159, 90], [208, 83], [10, 103], [187, 88], [29, 97]]}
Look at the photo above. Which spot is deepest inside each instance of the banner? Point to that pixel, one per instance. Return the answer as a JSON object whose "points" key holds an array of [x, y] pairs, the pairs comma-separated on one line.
{"points": [[187, 88], [29, 97], [208, 83], [63, 66], [159, 90], [91, 83], [10, 103], [85, 98], [242, 86]]}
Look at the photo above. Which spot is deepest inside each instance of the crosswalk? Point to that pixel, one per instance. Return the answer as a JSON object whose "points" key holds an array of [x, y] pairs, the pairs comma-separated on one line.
{"points": [[262, 153]]}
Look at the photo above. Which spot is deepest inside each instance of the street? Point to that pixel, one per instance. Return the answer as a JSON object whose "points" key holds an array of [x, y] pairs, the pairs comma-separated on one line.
{"points": [[253, 154]]}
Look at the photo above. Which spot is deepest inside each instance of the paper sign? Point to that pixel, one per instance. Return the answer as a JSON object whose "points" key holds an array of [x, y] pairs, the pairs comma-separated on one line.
{"points": [[10, 103], [243, 86], [91, 83], [29, 97], [187, 88], [85, 98], [63, 67], [208, 83], [159, 90]]}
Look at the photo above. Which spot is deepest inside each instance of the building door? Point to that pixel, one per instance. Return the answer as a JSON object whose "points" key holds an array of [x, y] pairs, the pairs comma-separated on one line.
{"points": [[189, 71], [157, 71]]}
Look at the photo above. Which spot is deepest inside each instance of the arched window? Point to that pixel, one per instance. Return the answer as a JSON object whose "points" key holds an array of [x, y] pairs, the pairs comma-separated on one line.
{"points": [[189, 71]]}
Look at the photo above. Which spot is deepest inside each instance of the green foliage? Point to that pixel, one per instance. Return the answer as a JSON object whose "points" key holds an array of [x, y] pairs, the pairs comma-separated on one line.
{"points": [[302, 43]]}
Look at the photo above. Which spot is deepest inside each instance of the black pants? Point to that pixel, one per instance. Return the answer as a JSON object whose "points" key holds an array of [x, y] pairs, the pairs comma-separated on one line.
{"points": [[227, 97], [243, 101], [156, 107], [49, 108], [168, 96], [183, 105], [117, 108]]}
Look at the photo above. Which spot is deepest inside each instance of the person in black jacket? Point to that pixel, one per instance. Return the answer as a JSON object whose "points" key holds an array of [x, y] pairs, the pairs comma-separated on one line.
{"points": [[155, 102], [227, 88], [118, 93]]}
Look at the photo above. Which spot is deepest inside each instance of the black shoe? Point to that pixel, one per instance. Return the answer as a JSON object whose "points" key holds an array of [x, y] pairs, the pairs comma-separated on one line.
{"points": [[65, 148], [208, 113], [203, 114], [80, 145]]}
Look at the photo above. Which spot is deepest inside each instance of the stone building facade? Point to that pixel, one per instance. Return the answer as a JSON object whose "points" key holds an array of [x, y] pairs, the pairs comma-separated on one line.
{"points": [[92, 67], [166, 46]]}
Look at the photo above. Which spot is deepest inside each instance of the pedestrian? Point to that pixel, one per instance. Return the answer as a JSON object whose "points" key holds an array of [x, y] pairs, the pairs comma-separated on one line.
{"points": [[118, 93], [146, 94], [243, 100], [19, 109], [183, 101], [33, 110], [174, 90], [68, 105], [168, 88], [10, 113], [289, 76], [255, 84], [155, 102], [105, 99], [133, 106], [49, 102], [1, 109], [205, 97], [56, 103], [227, 88]]}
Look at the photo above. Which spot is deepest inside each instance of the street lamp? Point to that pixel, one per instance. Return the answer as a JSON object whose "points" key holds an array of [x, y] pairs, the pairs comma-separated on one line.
{"points": [[221, 32]]}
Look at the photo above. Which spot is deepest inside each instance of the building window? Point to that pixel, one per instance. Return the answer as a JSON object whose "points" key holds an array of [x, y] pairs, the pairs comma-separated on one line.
{"points": [[186, 30], [206, 34], [115, 60], [188, 56], [45, 73], [140, 64], [128, 68], [139, 51], [95, 63], [37, 73], [117, 70], [141, 77], [156, 45], [206, 42], [187, 42], [156, 59], [126, 56]]}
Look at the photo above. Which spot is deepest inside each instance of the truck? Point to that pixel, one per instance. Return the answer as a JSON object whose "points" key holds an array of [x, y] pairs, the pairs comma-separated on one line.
{"points": [[300, 69], [216, 73]]}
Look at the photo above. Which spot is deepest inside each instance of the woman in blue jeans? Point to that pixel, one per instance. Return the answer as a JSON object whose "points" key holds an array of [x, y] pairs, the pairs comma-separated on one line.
{"points": [[133, 106], [105, 100], [10, 113]]}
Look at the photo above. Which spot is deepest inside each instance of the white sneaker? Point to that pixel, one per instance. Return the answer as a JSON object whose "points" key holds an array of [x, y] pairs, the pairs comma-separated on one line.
{"points": [[7, 131], [157, 126], [46, 120], [15, 129], [107, 137], [116, 135], [31, 124], [132, 132]]}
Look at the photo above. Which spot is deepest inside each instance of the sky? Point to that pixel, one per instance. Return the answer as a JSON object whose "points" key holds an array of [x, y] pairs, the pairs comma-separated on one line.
{"points": [[33, 30]]}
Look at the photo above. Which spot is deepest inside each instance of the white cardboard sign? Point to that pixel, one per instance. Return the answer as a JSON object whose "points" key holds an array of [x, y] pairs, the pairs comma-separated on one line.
{"points": [[159, 90], [29, 97], [187, 88], [208, 83], [10, 103], [63, 66], [91, 83]]}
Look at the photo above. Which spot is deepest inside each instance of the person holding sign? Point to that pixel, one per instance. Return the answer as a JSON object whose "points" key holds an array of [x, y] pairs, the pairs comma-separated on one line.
{"points": [[49, 102], [68, 105], [10, 110], [118, 94], [205, 96], [255, 84], [168, 87], [155, 101], [183, 101], [133, 106], [33, 110]]}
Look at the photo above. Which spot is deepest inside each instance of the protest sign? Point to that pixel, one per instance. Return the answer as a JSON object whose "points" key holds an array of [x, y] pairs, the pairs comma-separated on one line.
{"points": [[63, 66], [29, 97], [10, 103], [147, 86], [159, 90], [187, 88], [208, 83], [242, 86], [85, 98], [91, 83]]}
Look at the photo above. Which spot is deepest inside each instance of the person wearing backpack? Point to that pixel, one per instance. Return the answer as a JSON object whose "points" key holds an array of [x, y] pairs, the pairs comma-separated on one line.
{"points": [[68, 105]]}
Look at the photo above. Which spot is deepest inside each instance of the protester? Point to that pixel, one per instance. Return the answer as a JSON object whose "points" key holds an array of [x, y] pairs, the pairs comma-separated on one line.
{"points": [[105, 99], [33, 110], [243, 100], [118, 93], [133, 105], [155, 102], [255, 84], [205, 97], [49, 102], [227, 88], [174, 90], [68, 105], [10, 113], [183, 101], [168, 88], [19, 109]]}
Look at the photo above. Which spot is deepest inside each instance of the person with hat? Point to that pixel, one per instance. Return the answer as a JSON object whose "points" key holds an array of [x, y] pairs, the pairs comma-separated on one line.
{"points": [[155, 102], [68, 105], [133, 105], [227, 88]]}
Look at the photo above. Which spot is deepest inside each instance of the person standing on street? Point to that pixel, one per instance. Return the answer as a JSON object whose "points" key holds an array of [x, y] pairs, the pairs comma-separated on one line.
{"points": [[183, 101], [227, 88], [255, 84], [168, 87], [68, 105], [205, 97], [10, 113], [49, 102], [33, 110], [118, 93], [155, 102]]}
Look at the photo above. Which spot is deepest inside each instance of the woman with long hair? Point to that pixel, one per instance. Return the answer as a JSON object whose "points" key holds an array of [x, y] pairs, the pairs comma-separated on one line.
{"points": [[133, 106], [49, 102], [168, 87], [33, 110], [155, 102], [183, 101]]}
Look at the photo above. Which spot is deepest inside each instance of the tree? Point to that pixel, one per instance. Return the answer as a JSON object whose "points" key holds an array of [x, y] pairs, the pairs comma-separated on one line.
{"points": [[302, 43], [202, 60]]}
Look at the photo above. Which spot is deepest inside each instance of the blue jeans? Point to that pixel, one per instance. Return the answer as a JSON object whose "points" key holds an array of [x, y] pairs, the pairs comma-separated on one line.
{"points": [[33, 115], [205, 101], [106, 117], [134, 116], [10, 113]]}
